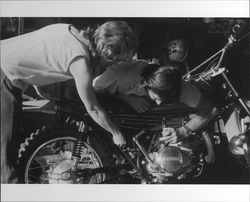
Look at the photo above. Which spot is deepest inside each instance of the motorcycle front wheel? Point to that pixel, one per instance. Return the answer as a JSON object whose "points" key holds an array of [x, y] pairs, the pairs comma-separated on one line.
{"points": [[46, 158]]}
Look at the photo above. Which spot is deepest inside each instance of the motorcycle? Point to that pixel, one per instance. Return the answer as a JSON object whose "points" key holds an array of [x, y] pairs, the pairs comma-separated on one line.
{"points": [[211, 77], [69, 147]]}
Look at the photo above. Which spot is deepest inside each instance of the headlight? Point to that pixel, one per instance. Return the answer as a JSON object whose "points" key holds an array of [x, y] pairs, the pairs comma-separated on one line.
{"points": [[240, 144]]}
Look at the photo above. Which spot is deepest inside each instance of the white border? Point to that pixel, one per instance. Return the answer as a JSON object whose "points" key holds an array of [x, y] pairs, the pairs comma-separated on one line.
{"points": [[124, 193], [125, 8]]}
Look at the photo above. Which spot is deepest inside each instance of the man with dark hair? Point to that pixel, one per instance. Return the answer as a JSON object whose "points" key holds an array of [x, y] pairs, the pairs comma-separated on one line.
{"points": [[136, 81]]}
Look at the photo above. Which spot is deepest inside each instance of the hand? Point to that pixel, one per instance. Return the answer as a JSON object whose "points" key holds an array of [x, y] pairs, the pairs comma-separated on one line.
{"points": [[119, 139], [139, 103], [168, 136], [171, 136]]}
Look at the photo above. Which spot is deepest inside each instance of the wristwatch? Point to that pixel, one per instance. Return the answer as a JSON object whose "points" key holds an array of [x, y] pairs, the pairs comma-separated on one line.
{"points": [[188, 130]]}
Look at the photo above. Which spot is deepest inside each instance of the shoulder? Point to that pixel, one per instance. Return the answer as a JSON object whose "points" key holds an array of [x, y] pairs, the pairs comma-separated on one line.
{"points": [[127, 68], [190, 94], [187, 88], [56, 26]]}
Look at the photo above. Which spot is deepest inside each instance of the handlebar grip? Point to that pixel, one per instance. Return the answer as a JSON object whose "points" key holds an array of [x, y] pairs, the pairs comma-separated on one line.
{"points": [[238, 32]]}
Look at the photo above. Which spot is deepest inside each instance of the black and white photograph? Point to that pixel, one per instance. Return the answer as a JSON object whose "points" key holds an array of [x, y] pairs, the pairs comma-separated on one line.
{"points": [[124, 102]]}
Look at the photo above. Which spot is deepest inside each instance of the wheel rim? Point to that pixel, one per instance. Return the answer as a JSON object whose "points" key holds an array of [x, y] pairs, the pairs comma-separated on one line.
{"points": [[51, 162]]}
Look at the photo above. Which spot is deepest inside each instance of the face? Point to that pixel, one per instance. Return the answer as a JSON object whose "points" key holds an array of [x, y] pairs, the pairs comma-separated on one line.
{"points": [[124, 57], [177, 52], [155, 97]]}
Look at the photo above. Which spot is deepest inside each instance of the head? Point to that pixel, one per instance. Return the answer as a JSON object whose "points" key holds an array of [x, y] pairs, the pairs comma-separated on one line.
{"points": [[114, 41], [175, 51], [162, 83]]}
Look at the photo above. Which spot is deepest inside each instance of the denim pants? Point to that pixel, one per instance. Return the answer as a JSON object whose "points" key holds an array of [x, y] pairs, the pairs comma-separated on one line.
{"points": [[11, 106]]}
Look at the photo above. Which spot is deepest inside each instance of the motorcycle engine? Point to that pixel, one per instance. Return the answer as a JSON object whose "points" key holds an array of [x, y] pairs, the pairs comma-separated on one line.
{"points": [[170, 159], [177, 161]]}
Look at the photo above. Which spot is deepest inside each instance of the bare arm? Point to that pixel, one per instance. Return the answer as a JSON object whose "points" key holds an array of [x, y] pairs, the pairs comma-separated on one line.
{"points": [[192, 96], [83, 79], [205, 112], [196, 122]]}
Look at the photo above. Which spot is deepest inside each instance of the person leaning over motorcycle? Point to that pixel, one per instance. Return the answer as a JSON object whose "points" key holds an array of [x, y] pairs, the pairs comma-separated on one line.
{"points": [[57, 53], [134, 81]]}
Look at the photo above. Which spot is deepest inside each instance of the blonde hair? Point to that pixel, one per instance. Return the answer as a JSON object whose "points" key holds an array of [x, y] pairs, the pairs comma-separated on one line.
{"points": [[114, 38]]}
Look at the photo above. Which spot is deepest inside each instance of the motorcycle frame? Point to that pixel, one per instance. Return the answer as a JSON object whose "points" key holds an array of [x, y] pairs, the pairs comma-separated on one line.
{"points": [[214, 71]]}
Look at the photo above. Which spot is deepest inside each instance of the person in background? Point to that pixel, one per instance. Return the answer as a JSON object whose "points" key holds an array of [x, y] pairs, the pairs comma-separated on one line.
{"points": [[175, 53], [57, 53], [136, 81]]}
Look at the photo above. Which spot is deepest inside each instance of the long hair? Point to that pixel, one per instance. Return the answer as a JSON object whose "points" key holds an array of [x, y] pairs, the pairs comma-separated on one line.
{"points": [[113, 39], [163, 80]]}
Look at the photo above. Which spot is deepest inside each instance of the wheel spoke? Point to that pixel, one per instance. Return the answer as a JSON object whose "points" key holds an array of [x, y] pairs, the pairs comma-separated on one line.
{"points": [[56, 154], [45, 150], [35, 177], [35, 168]]}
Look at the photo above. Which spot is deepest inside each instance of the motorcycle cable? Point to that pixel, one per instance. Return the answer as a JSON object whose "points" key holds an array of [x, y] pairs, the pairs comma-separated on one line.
{"points": [[231, 40]]}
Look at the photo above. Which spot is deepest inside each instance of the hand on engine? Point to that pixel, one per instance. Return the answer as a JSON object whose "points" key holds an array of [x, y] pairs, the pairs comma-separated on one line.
{"points": [[171, 136], [119, 139]]}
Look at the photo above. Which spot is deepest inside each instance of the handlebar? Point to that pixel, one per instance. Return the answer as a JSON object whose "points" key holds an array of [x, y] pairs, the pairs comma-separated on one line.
{"points": [[234, 38]]}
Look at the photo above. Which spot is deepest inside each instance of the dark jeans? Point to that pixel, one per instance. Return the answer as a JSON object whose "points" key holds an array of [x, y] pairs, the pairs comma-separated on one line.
{"points": [[11, 106]]}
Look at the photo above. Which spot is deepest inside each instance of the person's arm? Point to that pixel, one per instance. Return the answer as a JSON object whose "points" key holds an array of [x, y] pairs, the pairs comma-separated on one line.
{"points": [[206, 110], [83, 79], [196, 122]]}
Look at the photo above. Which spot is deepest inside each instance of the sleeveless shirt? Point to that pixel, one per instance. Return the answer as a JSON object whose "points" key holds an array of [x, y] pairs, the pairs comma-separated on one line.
{"points": [[42, 57]]}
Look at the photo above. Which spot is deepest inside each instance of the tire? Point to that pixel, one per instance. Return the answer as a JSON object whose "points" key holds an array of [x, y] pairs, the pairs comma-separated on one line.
{"points": [[45, 158]]}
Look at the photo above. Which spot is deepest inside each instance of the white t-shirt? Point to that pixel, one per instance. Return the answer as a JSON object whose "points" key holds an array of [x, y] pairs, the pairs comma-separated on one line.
{"points": [[42, 57]]}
